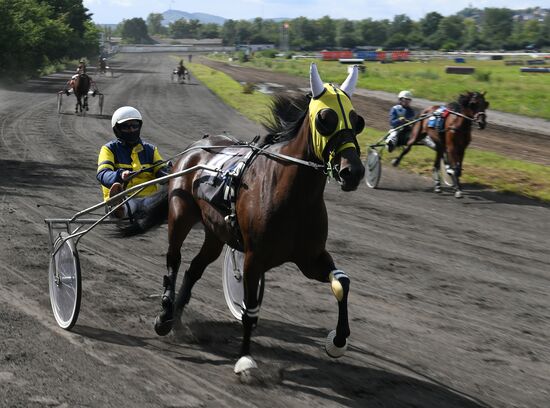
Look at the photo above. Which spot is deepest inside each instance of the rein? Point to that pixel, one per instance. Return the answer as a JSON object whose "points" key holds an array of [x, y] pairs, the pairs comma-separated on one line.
{"points": [[462, 115], [259, 150]]}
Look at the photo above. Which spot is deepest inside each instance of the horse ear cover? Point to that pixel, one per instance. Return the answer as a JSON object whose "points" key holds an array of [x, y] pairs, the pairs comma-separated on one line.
{"points": [[316, 84]]}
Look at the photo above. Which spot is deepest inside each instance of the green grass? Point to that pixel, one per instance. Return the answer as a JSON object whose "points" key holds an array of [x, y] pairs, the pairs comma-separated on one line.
{"points": [[480, 167], [508, 89], [254, 105]]}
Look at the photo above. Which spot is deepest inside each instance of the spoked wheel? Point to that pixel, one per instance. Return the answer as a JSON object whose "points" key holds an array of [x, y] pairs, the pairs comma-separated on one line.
{"points": [[59, 102], [446, 177], [233, 288], [65, 285], [373, 168]]}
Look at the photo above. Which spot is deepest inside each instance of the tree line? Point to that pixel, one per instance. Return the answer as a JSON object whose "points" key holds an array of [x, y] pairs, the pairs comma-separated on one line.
{"points": [[469, 29], [35, 34]]}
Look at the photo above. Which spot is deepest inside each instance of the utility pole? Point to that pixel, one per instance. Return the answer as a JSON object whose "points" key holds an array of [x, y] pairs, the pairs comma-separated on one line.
{"points": [[284, 36]]}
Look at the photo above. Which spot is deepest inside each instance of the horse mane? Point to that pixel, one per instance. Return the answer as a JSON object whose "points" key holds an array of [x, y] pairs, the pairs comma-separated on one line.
{"points": [[462, 102], [287, 116]]}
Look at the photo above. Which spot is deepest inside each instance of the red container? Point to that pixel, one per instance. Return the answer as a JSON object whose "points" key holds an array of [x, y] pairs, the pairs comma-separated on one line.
{"points": [[380, 55], [335, 55]]}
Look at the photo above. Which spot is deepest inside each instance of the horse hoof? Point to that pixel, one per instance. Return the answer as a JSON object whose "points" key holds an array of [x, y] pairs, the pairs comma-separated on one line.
{"points": [[458, 194], [333, 350], [245, 363], [163, 328], [395, 162]]}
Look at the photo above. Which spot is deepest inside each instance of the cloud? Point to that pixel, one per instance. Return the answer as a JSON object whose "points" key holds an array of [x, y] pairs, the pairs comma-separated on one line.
{"points": [[123, 3], [112, 11]]}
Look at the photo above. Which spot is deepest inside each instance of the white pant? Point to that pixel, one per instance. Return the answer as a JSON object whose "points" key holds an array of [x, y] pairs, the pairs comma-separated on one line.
{"points": [[392, 137], [429, 142]]}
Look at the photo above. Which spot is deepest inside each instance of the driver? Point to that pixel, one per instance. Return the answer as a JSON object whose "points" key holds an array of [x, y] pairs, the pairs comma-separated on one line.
{"points": [[399, 115], [130, 161], [81, 69]]}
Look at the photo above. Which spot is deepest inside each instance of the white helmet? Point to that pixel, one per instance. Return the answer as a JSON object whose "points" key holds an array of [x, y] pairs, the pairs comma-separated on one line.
{"points": [[124, 114], [405, 94]]}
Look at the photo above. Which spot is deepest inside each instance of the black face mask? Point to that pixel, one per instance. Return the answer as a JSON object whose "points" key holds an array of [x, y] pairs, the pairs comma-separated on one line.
{"points": [[129, 138]]}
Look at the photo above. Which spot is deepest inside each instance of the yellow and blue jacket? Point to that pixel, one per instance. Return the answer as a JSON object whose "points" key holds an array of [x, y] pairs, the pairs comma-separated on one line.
{"points": [[115, 157]]}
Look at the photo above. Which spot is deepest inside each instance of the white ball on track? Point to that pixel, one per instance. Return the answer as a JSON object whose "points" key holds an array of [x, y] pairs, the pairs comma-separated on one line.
{"points": [[245, 363]]}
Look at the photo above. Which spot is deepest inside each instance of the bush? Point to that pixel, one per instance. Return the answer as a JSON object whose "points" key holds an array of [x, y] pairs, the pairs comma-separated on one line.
{"points": [[249, 87], [270, 53], [427, 74], [242, 57], [482, 76]]}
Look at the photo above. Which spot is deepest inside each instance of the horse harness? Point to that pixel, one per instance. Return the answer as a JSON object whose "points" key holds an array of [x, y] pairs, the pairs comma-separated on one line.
{"points": [[437, 120], [221, 188]]}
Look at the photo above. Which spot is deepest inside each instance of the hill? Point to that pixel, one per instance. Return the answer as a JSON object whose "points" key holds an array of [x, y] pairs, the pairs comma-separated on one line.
{"points": [[173, 15]]}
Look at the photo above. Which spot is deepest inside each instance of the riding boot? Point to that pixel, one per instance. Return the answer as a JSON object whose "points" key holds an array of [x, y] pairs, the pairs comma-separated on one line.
{"points": [[437, 180]]}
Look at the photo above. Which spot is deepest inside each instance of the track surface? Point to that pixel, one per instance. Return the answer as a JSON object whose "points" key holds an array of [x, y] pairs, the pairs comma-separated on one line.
{"points": [[449, 304]]}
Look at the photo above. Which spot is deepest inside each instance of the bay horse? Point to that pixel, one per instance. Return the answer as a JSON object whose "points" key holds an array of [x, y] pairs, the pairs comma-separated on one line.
{"points": [[453, 137], [81, 86], [280, 211], [182, 73]]}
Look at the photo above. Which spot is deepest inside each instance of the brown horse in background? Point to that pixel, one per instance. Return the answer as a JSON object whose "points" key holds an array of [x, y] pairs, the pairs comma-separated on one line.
{"points": [[280, 211], [182, 73], [453, 137], [81, 87]]}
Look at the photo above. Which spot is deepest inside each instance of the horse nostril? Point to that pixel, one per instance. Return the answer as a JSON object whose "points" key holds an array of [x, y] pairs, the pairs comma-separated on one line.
{"points": [[345, 173]]}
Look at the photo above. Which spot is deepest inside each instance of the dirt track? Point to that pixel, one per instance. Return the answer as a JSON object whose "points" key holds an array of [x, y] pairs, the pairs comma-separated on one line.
{"points": [[449, 304]]}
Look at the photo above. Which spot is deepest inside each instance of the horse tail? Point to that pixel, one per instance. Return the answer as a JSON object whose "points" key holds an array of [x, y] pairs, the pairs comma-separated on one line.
{"points": [[148, 216]]}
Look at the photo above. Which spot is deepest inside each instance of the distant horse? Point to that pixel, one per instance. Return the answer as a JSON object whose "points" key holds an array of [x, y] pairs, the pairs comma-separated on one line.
{"points": [[279, 210], [452, 137], [182, 73], [102, 66], [81, 86]]}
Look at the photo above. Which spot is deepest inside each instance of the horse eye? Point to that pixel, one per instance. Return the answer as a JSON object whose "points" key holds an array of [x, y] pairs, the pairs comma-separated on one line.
{"points": [[360, 125], [357, 122], [326, 122], [353, 118]]}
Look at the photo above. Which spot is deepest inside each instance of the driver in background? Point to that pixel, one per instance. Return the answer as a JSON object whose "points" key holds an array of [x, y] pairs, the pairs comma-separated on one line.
{"points": [[128, 161], [102, 64], [81, 69], [399, 115]]}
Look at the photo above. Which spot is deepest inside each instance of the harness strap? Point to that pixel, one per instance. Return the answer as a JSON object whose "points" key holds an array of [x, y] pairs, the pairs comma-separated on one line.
{"points": [[259, 150], [461, 115]]}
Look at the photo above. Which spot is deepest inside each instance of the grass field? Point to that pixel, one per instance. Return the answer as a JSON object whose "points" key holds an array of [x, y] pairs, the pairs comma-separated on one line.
{"points": [[488, 169], [508, 90]]}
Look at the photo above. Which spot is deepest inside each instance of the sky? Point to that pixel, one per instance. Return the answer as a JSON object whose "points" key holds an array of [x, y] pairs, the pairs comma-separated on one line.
{"points": [[114, 11]]}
